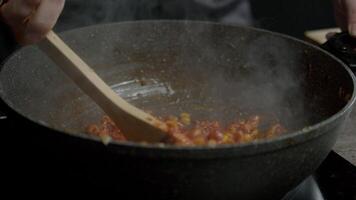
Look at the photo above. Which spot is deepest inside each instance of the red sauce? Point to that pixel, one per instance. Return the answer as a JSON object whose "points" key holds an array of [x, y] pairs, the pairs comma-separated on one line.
{"points": [[183, 132]]}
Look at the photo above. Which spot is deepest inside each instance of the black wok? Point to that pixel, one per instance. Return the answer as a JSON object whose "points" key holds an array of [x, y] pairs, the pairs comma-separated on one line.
{"points": [[211, 70]]}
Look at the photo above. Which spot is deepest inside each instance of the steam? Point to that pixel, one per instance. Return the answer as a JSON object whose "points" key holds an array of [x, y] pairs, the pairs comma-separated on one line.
{"points": [[262, 78], [276, 81], [261, 75], [79, 13]]}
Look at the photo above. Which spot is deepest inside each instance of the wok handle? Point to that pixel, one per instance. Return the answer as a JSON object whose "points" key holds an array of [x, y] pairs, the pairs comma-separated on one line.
{"points": [[3, 120], [343, 46], [3, 115]]}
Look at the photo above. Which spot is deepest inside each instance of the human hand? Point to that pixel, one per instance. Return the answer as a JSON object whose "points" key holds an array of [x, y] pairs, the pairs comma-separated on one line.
{"points": [[31, 20], [345, 15]]}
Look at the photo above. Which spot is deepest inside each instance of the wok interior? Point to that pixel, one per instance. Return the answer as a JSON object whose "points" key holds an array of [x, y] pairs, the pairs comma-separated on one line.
{"points": [[212, 71]]}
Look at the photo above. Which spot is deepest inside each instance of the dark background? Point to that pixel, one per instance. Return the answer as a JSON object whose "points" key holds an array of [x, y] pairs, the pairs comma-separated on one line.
{"points": [[292, 17]]}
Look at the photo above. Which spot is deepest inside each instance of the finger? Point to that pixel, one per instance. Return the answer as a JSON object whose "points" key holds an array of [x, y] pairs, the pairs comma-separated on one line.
{"points": [[43, 20], [329, 35], [340, 14], [32, 3], [351, 16], [15, 11]]}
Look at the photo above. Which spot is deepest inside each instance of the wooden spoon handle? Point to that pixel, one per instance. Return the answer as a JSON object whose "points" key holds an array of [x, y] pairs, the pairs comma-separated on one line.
{"points": [[128, 117]]}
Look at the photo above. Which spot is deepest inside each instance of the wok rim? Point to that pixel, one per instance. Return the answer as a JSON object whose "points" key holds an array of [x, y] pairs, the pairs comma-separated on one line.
{"points": [[254, 147]]}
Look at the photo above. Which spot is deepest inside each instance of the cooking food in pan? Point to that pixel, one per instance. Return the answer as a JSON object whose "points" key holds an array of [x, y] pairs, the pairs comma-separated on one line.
{"points": [[182, 131], [227, 69]]}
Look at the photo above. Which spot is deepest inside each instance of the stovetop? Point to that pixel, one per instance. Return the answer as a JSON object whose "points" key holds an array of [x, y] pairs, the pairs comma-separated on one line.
{"points": [[335, 179]]}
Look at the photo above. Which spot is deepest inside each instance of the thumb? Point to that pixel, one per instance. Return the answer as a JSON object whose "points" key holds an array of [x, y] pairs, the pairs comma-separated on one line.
{"points": [[351, 16]]}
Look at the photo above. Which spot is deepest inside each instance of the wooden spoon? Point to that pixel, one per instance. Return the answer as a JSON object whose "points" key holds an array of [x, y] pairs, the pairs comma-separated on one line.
{"points": [[135, 123]]}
